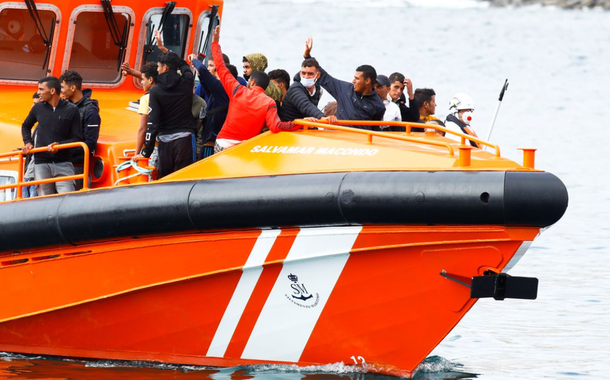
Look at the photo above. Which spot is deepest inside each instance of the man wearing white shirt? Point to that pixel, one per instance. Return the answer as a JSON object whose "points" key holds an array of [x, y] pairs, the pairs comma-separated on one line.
{"points": [[392, 112]]}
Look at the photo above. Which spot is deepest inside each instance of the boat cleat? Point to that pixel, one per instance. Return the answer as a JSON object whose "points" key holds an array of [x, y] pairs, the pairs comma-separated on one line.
{"points": [[497, 285], [502, 285]]}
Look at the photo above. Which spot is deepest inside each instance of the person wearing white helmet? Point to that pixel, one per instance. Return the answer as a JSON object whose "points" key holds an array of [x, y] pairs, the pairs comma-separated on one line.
{"points": [[461, 107]]}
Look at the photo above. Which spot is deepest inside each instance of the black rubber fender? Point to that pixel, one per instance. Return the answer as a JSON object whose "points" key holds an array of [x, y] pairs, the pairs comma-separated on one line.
{"points": [[535, 199]]}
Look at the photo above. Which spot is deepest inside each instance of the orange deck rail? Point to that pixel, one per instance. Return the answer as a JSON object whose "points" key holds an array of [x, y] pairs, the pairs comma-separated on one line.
{"points": [[338, 127], [20, 182]]}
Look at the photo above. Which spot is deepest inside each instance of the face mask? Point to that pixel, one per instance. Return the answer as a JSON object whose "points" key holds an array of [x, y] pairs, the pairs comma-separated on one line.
{"points": [[467, 117], [308, 82]]}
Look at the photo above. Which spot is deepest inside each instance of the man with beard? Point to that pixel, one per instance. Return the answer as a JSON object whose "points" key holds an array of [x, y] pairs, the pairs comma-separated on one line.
{"points": [[357, 100]]}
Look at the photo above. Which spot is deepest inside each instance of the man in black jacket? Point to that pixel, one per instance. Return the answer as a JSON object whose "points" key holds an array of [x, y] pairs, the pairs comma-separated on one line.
{"points": [[58, 123], [171, 116], [410, 113], [89, 110], [303, 96], [357, 100]]}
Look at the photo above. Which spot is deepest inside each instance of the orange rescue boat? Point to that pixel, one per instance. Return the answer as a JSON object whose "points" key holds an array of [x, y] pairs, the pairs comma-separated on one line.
{"points": [[312, 247]]}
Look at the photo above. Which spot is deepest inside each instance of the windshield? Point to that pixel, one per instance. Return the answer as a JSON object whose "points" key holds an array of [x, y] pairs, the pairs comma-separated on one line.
{"points": [[94, 54], [22, 50], [173, 35]]}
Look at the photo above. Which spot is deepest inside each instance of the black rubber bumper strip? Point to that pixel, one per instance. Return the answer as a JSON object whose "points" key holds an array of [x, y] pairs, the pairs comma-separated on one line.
{"points": [[534, 199]]}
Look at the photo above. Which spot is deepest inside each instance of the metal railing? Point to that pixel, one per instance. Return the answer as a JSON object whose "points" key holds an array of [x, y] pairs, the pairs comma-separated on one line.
{"points": [[20, 184], [406, 137]]}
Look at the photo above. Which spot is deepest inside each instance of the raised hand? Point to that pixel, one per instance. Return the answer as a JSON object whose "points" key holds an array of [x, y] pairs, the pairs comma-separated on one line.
{"points": [[308, 46], [159, 43], [127, 70], [409, 88], [216, 35]]}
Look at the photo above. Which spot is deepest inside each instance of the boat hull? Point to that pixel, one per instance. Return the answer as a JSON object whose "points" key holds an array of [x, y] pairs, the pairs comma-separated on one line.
{"points": [[368, 296]]}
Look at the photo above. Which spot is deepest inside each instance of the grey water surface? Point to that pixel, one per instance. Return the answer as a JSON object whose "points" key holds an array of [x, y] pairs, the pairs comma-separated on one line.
{"points": [[558, 65]]}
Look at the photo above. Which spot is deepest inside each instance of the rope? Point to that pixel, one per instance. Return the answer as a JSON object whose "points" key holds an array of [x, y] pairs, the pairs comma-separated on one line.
{"points": [[139, 171]]}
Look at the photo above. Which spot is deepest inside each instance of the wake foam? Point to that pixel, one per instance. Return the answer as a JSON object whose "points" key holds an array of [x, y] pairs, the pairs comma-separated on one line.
{"points": [[437, 364], [336, 368], [9, 357], [143, 364]]}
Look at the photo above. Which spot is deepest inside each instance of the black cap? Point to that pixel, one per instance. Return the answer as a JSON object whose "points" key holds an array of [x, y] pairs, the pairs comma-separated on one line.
{"points": [[383, 80]]}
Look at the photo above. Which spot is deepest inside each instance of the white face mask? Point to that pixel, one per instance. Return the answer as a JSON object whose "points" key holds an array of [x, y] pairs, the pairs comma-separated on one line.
{"points": [[308, 82], [467, 117]]}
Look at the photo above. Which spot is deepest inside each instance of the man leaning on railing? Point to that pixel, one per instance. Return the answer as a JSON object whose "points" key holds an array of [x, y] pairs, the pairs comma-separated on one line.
{"points": [[58, 123]]}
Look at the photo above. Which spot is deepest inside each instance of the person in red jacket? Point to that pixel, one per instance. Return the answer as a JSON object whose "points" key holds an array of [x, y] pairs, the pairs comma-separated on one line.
{"points": [[249, 108]]}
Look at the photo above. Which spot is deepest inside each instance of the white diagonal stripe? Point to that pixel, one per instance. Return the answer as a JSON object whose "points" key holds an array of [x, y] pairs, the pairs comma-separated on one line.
{"points": [[518, 255], [251, 273], [283, 328]]}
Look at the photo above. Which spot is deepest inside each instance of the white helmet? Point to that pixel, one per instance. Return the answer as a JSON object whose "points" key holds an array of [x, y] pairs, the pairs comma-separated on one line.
{"points": [[461, 101]]}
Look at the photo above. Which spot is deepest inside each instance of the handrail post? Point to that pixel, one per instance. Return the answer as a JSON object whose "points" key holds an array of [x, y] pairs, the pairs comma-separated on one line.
{"points": [[464, 157], [529, 157], [86, 167], [20, 177]]}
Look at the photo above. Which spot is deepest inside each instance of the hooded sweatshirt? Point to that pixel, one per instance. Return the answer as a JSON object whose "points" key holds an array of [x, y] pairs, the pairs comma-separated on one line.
{"points": [[89, 111], [170, 103], [258, 62]]}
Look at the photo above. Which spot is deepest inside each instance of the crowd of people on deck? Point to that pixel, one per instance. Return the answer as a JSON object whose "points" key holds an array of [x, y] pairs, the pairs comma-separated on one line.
{"points": [[181, 123]]}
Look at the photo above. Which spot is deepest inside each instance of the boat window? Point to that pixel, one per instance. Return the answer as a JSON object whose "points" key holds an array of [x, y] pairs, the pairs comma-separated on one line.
{"points": [[203, 42], [99, 45], [26, 43], [174, 31], [174, 25], [7, 178]]}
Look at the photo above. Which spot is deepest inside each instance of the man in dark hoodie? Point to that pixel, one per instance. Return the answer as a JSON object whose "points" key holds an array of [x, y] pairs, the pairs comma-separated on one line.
{"points": [[58, 123], [357, 100], [171, 116], [89, 110]]}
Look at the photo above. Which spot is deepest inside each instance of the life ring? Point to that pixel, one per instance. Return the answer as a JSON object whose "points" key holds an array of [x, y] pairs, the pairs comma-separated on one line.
{"points": [[13, 23]]}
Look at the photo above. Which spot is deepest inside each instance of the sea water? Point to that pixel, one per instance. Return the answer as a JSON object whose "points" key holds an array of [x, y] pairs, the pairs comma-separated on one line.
{"points": [[558, 66]]}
